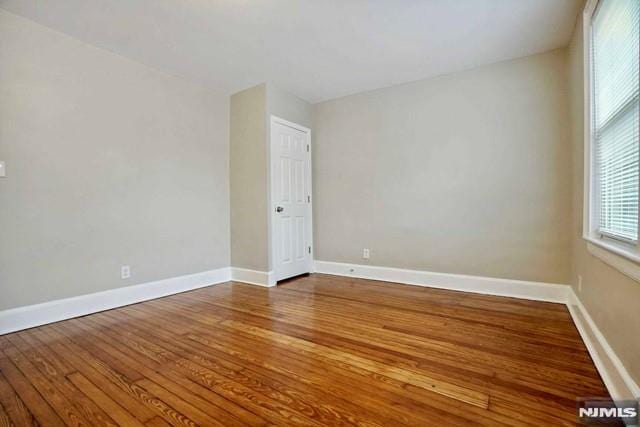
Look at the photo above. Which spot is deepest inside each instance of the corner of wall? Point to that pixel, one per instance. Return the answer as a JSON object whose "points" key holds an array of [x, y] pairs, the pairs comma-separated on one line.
{"points": [[605, 298], [248, 175]]}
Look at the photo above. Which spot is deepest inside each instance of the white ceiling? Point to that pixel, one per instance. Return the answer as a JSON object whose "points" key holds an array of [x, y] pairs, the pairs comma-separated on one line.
{"points": [[317, 49]]}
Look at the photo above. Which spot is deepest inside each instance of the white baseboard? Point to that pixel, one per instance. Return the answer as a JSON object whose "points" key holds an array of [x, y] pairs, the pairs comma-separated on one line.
{"points": [[16, 319], [477, 284], [20, 318], [253, 277], [615, 376]]}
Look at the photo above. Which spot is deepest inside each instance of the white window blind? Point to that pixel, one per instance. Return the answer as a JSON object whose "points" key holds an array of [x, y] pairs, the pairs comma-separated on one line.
{"points": [[615, 116]]}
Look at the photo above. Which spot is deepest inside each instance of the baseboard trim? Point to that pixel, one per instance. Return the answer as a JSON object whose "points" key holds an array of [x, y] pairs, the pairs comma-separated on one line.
{"points": [[615, 376], [253, 277], [20, 318], [538, 291]]}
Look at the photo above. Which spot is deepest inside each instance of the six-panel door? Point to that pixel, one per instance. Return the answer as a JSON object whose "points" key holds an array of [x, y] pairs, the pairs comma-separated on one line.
{"points": [[291, 200]]}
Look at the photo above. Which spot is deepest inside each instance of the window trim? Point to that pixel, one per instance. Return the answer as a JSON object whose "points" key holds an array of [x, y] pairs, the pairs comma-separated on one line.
{"points": [[623, 256]]}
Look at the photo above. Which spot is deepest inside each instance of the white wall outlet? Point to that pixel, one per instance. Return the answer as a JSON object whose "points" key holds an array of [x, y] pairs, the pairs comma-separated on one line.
{"points": [[365, 254], [125, 272], [3, 169], [579, 283]]}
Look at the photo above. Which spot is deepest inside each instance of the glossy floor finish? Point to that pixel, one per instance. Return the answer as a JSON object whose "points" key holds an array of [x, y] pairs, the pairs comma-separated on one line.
{"points": [[317, 350]]}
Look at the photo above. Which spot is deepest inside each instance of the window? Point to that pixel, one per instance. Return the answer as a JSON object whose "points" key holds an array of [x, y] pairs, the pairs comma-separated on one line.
{"points": [[614, 116]]}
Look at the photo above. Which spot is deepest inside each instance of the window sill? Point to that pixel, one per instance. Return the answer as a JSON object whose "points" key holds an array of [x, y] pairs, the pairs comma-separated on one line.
{"points": [[618, 256]]}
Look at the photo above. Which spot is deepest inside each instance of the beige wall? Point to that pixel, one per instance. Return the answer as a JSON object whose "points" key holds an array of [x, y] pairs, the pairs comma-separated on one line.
{"points": [[610, 297], [249, 179], [289, 107], [466, 173], [250, 133], [109, 163]]}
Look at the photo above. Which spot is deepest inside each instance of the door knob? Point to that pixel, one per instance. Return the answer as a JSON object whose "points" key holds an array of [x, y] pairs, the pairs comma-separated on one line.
{"points": [[279, 209]]}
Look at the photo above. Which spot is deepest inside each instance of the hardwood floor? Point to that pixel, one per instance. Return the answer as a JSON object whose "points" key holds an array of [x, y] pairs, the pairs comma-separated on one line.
{"points": [[317, 350]]}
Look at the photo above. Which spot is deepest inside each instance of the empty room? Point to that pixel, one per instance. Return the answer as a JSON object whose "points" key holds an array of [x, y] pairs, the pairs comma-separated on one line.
{"points": [[319, 212]]}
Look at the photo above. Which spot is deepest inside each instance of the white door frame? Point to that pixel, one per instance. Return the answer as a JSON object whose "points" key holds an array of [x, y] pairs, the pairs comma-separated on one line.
{"points": [[273, 248]]}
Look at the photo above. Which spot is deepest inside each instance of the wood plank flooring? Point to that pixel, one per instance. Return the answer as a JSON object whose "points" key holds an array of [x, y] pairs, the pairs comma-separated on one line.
{"points": [[317, 350]]}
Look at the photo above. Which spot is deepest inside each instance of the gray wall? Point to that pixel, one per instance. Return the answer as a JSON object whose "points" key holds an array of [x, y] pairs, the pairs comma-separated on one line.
{"points": [[465, 173], [610, 297], [109, 163]]}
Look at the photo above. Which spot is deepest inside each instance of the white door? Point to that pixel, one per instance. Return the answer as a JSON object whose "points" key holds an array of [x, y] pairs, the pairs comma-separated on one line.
{"points": [[290, 198]]}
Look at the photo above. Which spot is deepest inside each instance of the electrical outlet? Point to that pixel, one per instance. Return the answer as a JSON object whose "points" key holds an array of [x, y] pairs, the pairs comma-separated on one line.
{"points": [[365, 253], [579, 283], [125, 272]]}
